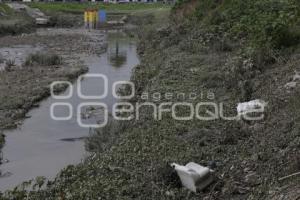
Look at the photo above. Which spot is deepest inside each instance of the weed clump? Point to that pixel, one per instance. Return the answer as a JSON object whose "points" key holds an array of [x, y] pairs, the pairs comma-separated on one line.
{"points": [[102, 139], [8, 65], [43, 59]]}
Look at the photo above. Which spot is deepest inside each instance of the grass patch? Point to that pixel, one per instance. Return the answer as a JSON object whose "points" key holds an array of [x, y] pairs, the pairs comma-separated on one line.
{"points": [[80, 7], [5, 10], [43, 59]]}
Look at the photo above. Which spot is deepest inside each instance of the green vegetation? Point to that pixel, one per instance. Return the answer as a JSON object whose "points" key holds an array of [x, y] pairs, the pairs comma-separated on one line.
{"points": [[43, 60], [5, 10], [12, 22], [262, 22], [80, 7]]}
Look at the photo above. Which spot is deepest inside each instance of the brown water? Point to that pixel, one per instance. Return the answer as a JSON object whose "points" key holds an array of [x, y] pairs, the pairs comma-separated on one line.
{"points": [[42, 146]]}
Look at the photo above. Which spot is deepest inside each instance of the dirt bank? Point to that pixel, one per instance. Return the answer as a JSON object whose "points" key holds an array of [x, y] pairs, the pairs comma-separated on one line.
{"points": [[16, 18], [12, 22]]}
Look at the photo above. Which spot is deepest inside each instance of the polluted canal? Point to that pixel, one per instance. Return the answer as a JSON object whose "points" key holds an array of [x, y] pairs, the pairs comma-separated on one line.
{"points": [[42, 146]]}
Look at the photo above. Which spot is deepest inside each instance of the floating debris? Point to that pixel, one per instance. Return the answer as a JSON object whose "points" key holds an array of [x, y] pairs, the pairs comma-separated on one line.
{"points": [[72, 139]]}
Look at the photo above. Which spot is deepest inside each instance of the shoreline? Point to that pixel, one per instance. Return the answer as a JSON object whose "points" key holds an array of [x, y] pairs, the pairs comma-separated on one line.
{"points": [[33, 85]]}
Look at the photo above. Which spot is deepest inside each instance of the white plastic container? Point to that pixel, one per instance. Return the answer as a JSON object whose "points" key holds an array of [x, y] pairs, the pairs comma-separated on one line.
{"points": [[250, 106], [193, 176]]}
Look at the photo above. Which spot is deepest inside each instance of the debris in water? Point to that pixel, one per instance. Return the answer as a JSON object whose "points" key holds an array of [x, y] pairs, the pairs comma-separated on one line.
{"points": [[72, 139], [193, 176], [91, 111]]}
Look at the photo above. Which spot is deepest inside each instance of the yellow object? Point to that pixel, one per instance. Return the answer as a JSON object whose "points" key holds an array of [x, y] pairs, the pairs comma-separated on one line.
{"points": [[86, 17], [90, 18]]}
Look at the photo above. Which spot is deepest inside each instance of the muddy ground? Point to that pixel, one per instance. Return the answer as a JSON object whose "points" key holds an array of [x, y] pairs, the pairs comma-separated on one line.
{"points": [[23, 86]]}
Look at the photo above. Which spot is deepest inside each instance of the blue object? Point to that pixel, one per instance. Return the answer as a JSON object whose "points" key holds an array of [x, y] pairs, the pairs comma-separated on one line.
{"points": [[102, 16]]}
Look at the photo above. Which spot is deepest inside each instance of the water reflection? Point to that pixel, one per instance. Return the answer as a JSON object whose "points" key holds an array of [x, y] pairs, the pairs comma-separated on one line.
{"points": [[117, 52]]}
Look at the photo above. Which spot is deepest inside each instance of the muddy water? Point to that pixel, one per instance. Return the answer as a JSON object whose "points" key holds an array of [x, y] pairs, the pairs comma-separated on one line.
{"points": [[43, 146]]}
